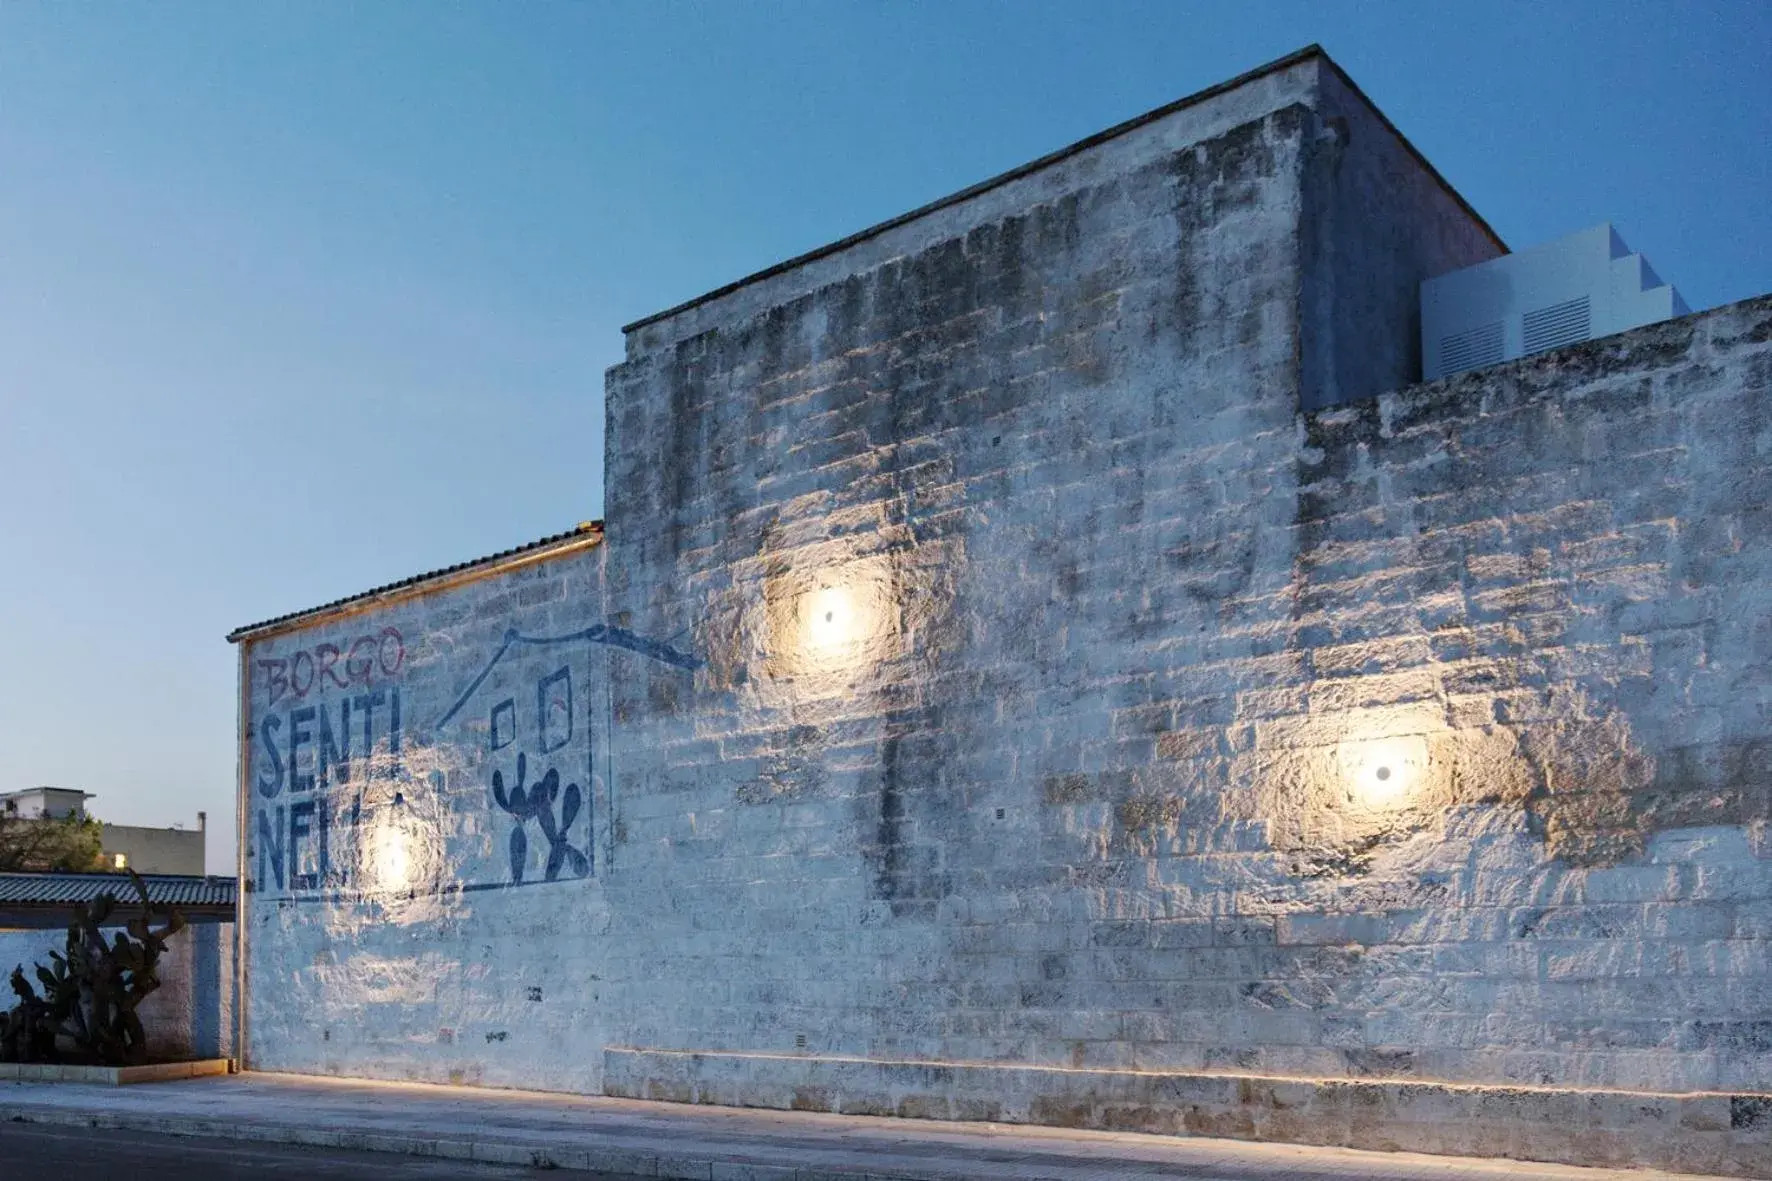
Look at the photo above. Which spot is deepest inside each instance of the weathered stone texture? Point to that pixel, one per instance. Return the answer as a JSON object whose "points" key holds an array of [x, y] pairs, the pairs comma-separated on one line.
{"points": [[1108, 663], [963, 442], [1709, 1133], [1141, 853], [1080, 794], [400, 926], [1375, 223]]}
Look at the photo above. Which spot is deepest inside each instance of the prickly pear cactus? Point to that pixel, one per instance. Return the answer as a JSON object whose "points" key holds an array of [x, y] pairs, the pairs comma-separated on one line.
{"points": [[26, 1030], [90, 994]]}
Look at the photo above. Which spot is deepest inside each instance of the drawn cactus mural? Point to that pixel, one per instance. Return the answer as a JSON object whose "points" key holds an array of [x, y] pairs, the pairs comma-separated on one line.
{"points": [[91, 993]]}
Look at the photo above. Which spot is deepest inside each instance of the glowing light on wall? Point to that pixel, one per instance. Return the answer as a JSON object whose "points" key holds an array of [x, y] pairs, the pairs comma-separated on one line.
{"points": [[397, 857], [392, 859], [1382, 773], [395, 853], [829, 620], [830, 626]]}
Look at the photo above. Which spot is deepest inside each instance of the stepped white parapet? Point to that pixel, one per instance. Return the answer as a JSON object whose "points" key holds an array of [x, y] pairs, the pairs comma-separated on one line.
{"points": [[1580, 287]]}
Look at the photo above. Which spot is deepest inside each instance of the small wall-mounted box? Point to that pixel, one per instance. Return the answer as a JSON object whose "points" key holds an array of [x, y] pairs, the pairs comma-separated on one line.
{"points": [[1580, 287]]}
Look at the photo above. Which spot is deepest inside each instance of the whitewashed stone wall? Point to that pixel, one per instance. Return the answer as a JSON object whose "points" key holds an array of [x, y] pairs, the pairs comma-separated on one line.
{"points": [[1068, 664], [1047, 467], [429, 831]]}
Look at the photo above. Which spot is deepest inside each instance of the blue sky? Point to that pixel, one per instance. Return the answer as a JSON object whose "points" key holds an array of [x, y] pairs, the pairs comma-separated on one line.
{"points": [[298, 299]]}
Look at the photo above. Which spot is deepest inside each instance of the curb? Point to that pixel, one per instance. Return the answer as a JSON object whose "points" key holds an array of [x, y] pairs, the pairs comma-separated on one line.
{"points": [[113, 1076], [497, 1152]]}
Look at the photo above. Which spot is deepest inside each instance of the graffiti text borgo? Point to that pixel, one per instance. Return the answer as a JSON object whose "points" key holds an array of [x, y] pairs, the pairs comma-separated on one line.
{"points": [[360, 662]]}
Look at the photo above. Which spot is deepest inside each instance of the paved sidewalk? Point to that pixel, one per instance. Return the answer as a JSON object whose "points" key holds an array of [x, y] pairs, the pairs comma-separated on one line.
{"points": [[709, 1143]]}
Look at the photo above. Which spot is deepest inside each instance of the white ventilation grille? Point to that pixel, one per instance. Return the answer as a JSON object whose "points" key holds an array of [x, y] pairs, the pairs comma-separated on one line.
{"points": [[1471, 349], [1582, 287], [1555, 326]]}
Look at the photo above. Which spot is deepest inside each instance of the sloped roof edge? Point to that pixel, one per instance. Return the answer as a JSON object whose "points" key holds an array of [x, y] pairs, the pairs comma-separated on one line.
{"points": [[584, 534], [66, 889]]}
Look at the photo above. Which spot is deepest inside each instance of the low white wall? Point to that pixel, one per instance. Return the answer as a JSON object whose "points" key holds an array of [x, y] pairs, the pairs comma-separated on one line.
{"points": [[191, 1014]]}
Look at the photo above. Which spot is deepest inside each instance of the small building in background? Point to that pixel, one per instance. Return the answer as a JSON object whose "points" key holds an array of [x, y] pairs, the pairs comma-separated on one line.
{"points": [[173, 850], [44, 803], [1579, 287]]}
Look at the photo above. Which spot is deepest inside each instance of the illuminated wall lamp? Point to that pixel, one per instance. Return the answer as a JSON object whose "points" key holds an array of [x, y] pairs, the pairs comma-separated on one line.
{"points": [[830, 623], [1382, 773], [391, 860]]}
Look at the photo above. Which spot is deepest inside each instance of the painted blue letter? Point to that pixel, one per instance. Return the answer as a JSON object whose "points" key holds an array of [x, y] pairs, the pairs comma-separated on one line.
{"points": [[335, 748], [298, 736], [270, 847], [301, 825], [274, 786]]}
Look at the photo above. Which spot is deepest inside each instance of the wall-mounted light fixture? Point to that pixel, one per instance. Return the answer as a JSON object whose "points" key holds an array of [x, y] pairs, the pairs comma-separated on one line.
{"points": [[1379, 774], [391, 857], [395, 850], [830, 624], [829, 619], [396, 854]]}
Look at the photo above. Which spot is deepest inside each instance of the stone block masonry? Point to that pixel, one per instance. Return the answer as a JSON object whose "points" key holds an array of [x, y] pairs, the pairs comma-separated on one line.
{"points": [[1113, 695], [1492, 589], [428, 812]]}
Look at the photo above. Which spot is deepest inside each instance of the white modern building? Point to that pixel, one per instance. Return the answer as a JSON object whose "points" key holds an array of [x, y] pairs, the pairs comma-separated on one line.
{"points": [[36, 803], [173, 850], [1580, 287]]}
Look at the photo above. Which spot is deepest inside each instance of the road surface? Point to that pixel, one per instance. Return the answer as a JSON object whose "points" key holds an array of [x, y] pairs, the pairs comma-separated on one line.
{"points": [[35, 1152]]}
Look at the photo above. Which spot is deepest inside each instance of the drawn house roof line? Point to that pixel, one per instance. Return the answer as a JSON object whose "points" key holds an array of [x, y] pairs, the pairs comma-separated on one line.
{"points": [[597, 633]]}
